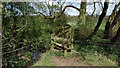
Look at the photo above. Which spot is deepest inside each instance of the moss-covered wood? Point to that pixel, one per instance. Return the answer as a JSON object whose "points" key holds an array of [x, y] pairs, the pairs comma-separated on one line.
{"points": [[62, 38], [83, 12]]}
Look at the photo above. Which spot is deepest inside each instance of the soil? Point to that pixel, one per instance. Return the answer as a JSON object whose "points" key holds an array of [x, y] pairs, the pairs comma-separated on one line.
{"points": [[59, 61]]}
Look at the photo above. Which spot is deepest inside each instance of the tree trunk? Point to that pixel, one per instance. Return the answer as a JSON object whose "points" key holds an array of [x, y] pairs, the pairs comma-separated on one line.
{"points": [[116, 39], [108, 28], [101, 17], [108, 31], [83, 12], [116, 19]]}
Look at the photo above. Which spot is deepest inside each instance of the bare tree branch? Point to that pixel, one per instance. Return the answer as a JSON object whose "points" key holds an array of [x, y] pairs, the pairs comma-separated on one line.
{"points": [[94, 9], [66, 8]]}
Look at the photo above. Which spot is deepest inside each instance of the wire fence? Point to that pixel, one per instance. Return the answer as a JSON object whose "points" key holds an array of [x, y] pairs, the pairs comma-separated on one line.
{"points": [[7, 59], [95, 43], [17, 49], [80, 43]]}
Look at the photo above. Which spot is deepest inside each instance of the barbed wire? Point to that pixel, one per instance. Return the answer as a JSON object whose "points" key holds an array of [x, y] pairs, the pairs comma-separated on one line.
{"points": [[80, 42], [9, 45], [7, 58], [93, 43], [16, 49]]}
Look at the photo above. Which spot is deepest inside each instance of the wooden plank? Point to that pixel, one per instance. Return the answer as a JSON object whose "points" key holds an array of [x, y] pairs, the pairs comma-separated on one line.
{"points": [[57, 44], [58, 38]]}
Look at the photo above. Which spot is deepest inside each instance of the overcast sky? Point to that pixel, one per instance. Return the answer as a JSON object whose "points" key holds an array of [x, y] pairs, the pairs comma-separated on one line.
{"points": [[90, 8]]}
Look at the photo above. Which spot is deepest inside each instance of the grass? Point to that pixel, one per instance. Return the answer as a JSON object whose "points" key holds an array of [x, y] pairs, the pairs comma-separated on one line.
{"points": [[93, 54], [93, 58], [98, 60], [45, 60], [88, 48]]}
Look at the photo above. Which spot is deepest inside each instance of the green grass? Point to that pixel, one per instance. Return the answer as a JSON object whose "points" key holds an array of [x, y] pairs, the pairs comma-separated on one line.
{"points": [[92, 58], [45, 60], [92, 54], [99, 60], [96, 59]]}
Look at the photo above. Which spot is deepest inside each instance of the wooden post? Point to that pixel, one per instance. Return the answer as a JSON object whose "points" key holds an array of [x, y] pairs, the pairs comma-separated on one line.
{"points": [[65, 52], [52, 44]]}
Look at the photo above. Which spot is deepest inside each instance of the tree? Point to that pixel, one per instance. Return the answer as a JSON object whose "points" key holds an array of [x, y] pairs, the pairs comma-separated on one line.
{"points": [[94, 9], [100, 19], [21, 32], [94, 5], [15, 10], [116, 39], [50, 11], [82, 12], [108, 27]]}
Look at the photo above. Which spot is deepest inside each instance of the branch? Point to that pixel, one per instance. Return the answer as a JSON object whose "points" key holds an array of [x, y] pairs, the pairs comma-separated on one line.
{"points": [[70, 6], [94, 9], [61, 12], [48, 7], [41, 14], [101, 5], [67, 7]]}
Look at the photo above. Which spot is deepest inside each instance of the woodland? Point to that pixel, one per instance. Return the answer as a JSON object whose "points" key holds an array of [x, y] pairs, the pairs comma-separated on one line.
{"points": [[42, 34]]}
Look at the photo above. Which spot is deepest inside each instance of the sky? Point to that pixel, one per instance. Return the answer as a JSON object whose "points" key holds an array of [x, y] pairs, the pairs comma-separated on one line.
{"points": [[90, 8]]}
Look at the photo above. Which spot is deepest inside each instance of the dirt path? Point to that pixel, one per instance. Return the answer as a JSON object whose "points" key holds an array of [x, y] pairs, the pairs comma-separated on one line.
{"points": [[59, 61], [49, 60]]}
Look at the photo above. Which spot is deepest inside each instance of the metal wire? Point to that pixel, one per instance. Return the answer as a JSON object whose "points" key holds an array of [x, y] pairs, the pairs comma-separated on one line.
{"points": [[97, 43], [16, 49]]}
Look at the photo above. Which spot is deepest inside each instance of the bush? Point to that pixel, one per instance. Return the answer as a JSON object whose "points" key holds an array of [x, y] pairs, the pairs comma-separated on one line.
{"points": [[33, 34], [60, 21]]}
